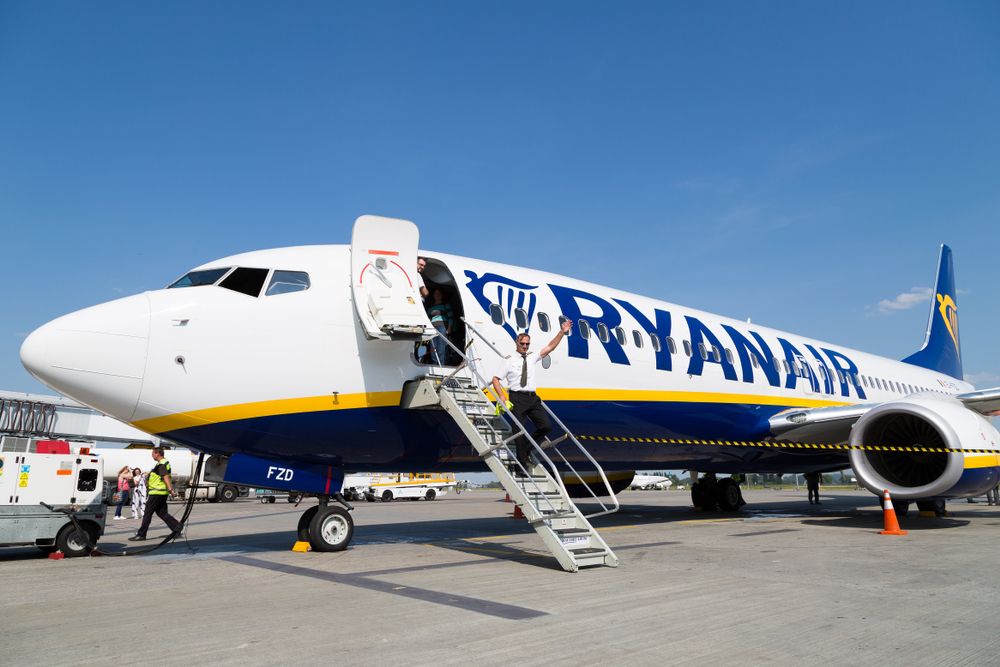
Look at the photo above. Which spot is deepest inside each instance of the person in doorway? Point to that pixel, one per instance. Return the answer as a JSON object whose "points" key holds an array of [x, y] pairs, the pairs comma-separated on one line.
{"points": [[138, 493], [522, 401], [812, 485], [159, 486], [421, 287], [443, 320], [124, 475]]}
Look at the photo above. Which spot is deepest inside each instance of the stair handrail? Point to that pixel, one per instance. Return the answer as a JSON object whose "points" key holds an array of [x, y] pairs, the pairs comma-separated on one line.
{"points": [[555, 471], [522, 432]]}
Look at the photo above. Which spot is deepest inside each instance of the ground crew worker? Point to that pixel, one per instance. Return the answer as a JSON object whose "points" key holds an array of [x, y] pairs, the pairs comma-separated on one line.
{"points": [[158, 487], [523, 401], [812, 484]]}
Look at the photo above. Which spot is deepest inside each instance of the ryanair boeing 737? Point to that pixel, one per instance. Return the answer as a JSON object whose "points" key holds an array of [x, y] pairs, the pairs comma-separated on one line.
{"points": [[293, 366]]}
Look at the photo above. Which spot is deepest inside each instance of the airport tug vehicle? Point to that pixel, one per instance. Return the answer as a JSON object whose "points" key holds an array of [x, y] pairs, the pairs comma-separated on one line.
{"points": [[40, 490]]}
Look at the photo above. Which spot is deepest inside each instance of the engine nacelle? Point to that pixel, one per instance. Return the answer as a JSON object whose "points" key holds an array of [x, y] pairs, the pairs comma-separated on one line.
{"points": [[926, 420]]}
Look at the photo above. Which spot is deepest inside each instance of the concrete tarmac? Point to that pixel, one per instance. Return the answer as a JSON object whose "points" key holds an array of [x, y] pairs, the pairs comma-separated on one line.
{"points": [[456, 581]]}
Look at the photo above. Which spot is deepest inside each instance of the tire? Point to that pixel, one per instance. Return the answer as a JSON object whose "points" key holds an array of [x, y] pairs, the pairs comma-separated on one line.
{"points": [[387, 496], [370, 497], [728, 495], [302, 532], [72, 543], [431, 494], [262, 500], [271, 500], [331, 529], [228, 494]]}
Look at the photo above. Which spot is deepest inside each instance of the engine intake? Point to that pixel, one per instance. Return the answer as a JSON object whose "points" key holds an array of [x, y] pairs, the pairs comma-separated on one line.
{"points": [[924, 421]]}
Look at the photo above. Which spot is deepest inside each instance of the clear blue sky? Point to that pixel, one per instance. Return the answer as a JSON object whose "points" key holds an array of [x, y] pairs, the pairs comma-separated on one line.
{"points": [[796, 162]]}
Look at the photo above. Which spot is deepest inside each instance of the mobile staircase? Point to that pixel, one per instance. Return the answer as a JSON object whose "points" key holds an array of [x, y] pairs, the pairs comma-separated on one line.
{"points": [[539, 489]]}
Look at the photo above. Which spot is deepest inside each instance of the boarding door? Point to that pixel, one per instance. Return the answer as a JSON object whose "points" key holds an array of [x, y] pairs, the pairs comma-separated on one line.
{"points": [[384, 279]]}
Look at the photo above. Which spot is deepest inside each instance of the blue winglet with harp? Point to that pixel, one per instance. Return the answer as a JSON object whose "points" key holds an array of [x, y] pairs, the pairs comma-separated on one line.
{"points": [[942, 351]]}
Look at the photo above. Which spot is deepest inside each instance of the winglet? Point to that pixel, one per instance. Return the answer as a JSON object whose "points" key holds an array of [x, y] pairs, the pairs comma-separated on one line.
{"points": [[942, 350]]}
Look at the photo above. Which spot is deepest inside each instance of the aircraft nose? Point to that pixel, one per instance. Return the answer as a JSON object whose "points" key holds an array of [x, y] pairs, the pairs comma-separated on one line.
{"points": [[96, 356]]}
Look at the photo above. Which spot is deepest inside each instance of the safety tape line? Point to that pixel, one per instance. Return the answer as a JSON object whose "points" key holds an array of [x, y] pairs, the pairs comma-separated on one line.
{"points": [[783, 445]]}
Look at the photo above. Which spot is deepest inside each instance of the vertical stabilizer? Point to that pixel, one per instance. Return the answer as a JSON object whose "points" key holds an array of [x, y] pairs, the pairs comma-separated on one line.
{"points": [[942, 351]]}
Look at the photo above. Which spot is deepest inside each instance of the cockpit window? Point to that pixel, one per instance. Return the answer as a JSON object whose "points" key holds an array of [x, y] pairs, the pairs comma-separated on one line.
{"points": [[283, 282], [246, 281], [199, 278]]}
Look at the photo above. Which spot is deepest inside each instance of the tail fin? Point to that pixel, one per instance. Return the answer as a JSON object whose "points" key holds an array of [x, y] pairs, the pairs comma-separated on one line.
{"points": [[942, 351]]}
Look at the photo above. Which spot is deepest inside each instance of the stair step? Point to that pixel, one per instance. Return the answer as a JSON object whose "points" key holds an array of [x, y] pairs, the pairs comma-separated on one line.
{"points": [[588, 551]]}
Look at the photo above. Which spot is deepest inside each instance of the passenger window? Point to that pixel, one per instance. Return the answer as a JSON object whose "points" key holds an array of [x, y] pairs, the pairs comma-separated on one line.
{"points": [[637, 338], [864, 381], [496, 313], [687, 347], [602, 332], [87, 480], [543, 322], [777, 364], [199, 278], [520, 318], [784, 362], [671, 346], [284, 282], [702, 351], [546, 361], [729, 355], [245, 281], [562, 320], [620, 335], [716, 355], [654, 341], [584, 329], [840, 376], [753, 359]]}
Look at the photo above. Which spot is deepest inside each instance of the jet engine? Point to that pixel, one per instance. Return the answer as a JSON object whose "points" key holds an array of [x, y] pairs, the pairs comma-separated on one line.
{"points": [[925, 421]]}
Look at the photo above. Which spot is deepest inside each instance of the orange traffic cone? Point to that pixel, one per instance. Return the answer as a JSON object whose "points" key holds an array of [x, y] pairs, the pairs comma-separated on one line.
{"points": [[518, 514], [891, 524]]}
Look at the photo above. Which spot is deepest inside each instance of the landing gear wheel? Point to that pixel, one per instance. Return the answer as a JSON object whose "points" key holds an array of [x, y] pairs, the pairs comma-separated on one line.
{"points": [[71, 542], [302, 534], [728, 495], [431, 494], [387, 496], [331, 529], [228, 494]]}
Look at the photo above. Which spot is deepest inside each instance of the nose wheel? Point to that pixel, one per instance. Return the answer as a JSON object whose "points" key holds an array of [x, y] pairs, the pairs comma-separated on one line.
{"points": [[326, 527]]}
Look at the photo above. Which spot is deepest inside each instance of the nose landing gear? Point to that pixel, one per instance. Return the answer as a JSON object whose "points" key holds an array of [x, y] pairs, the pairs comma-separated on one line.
{"points": [[327, 527], [709, 494]]}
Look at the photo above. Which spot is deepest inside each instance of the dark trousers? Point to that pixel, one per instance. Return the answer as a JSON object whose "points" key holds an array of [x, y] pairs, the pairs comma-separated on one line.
{"points": [[813, 488], [157, 504], [527, 405]]}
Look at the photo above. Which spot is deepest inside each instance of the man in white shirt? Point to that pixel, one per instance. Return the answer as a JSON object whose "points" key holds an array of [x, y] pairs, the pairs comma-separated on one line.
{"points": [[519, 376], [421, 287]]}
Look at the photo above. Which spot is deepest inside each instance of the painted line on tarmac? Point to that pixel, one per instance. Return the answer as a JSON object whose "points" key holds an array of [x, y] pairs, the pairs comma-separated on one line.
{"points": [[478, 605]]}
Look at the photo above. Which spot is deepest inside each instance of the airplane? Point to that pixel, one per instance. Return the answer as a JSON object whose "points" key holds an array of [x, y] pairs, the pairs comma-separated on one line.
{"points": [[649, 482], [289, 366]]}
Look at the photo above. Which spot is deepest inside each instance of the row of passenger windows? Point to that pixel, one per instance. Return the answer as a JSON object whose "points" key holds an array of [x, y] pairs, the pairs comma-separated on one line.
{"points": [[246, 280], [798, 367]]}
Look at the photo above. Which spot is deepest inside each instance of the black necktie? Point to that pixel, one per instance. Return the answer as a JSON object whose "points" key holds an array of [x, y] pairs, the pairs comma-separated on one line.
{"points": [[524, 371]]}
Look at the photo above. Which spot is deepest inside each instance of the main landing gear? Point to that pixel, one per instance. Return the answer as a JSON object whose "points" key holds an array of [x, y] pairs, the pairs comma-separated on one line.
{"points": [[709, 494], [327, 527]]}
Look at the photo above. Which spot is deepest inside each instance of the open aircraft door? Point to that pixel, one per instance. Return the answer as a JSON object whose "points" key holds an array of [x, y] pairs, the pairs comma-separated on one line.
{"points": [[384, 279]]}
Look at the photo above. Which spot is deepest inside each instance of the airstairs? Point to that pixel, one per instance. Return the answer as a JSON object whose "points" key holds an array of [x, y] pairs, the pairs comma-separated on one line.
{"points": [[539, 489]]}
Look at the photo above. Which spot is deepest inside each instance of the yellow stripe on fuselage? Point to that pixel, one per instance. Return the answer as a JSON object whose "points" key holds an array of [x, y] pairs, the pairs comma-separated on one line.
{"points": [[382, 399], [285, 406], [982, 461]]}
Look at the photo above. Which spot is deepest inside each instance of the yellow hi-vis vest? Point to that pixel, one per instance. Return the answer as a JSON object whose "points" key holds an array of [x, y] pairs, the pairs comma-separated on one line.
{"points": [[155, 484]]}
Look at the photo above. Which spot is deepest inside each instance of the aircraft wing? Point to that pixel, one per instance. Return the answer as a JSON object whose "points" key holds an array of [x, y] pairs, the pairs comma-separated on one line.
{"points": [[984, 401], [818, 425], [833, 425]]}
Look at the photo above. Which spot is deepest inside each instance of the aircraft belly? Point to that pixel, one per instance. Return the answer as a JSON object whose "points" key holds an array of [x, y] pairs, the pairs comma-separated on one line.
{"points": [[620, 435]]}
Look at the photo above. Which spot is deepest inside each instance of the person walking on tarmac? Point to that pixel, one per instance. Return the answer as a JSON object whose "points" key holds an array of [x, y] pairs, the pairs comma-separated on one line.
{"points": [[522, 400], [158, 487], [812, 485]]}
